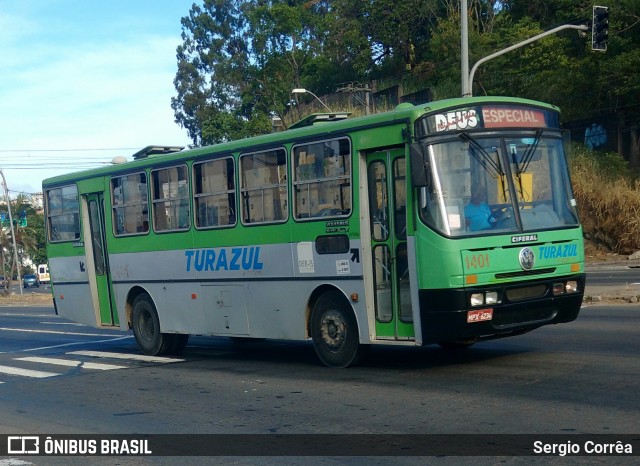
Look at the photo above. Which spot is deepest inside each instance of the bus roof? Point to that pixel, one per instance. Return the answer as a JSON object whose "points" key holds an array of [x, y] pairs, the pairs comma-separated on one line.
{"points": [[313, 125]]}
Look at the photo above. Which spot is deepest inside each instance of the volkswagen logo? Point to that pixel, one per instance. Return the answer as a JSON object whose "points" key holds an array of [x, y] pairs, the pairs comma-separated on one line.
{"points": [[526, 258]]}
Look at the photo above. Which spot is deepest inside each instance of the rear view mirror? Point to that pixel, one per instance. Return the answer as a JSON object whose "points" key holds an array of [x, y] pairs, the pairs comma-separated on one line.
{"points": [[420, 173]]}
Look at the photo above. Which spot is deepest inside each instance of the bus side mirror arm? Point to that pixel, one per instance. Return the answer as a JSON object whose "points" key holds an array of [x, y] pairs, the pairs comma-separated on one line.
{"points": [[420, 173]]}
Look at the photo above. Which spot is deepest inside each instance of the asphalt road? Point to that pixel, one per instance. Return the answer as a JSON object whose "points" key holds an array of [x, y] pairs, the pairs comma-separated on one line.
{"points": [[58, 377], [43, 288]]}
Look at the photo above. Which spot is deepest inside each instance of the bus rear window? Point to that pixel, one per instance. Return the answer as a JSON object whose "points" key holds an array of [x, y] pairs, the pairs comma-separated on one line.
{"points": [[63, 214]]}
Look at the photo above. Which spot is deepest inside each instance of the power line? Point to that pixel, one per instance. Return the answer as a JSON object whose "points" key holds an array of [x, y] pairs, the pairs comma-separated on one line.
{"points": [[70, 150], [61, 164], [23, 192]]}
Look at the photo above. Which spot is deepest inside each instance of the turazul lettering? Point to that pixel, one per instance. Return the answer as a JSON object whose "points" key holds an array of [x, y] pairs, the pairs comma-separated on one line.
{"points": [[556, 252], [230, 259]]}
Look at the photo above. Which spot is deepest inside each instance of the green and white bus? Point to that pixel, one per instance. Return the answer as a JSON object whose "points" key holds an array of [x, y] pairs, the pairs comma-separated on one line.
{"points": [[343, 231]]}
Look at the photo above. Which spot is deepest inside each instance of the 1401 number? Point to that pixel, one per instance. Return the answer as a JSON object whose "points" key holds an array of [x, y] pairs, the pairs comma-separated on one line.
{"points": [[477, 261]]}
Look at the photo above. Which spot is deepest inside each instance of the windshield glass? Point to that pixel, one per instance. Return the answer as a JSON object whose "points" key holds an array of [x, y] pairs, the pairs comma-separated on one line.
{"points": [[486, 184]]}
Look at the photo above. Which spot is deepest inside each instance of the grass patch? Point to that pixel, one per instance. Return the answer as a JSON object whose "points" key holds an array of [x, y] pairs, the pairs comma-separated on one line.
{"points": [[27, 297], [608, 197]]}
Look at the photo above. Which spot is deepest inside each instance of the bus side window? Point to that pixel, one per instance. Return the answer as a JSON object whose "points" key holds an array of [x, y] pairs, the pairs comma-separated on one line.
{"points": [[264, 187], [322, 179], [62, 212], [214, 193], [170, 198], [130, 208]]}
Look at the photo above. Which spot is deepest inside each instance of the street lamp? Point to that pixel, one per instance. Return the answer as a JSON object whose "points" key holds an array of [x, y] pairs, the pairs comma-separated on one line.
{"points": [[305, 91]]}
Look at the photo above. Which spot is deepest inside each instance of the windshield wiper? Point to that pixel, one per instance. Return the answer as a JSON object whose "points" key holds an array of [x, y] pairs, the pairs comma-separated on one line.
{"points": [[485, 160], [526, 160], [528, 155]]}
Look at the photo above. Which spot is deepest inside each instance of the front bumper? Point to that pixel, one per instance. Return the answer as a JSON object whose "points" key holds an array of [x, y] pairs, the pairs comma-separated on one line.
{"points": [[444, 312]]}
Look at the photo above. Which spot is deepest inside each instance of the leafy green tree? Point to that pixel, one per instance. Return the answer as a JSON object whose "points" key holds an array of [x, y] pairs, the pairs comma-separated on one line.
{"points": [[240, 59], [237, 65]]}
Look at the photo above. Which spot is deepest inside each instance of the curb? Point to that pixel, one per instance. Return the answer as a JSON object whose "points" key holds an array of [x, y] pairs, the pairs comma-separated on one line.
{"points": [[598, 299]]}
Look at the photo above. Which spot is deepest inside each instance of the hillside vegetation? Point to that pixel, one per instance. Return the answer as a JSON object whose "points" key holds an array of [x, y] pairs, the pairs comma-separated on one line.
{"points": [[608, 196], [241, 59]]}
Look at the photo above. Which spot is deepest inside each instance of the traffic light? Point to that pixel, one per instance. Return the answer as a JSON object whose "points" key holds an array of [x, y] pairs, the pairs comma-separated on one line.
{"points": [[600, 28]]}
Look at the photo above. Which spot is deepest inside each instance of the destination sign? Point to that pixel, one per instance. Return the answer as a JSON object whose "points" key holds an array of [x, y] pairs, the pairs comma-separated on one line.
{"points": [[488, 117]]}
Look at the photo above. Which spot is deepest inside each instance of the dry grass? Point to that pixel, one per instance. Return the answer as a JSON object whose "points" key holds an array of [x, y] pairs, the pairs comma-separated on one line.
{"points": [[27, 298], [608, 200]]}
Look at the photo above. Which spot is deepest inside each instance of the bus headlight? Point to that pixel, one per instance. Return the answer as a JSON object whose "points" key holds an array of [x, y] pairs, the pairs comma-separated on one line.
{"points": [[568, 287], [477, 299], [571, 286], [480, 299], [491, 297]]}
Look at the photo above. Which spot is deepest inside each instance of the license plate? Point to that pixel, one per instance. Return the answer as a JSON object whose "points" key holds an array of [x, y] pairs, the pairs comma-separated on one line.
{"points": [[479, 315]]}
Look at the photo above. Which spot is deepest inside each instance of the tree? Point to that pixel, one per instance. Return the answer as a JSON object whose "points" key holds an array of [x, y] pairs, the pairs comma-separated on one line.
{"points": [[29, 239], [237, 65], [240, 59]]}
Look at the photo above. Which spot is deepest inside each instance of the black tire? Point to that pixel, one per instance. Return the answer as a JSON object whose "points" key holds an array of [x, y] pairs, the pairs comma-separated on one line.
{"points": [[180, 340], [146, 328], [334, 331]]}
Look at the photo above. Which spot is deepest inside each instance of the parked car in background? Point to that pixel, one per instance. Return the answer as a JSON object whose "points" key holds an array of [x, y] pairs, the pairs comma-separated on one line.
{"points": [[30, 280], [43, 273]]}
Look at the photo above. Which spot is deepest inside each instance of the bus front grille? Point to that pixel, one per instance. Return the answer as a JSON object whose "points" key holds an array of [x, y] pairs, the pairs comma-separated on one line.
{"points": [[525, 273]]}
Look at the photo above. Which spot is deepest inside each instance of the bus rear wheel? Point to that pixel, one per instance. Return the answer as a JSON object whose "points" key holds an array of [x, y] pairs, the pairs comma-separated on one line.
{"points": [[146, 330], [334, 331]]}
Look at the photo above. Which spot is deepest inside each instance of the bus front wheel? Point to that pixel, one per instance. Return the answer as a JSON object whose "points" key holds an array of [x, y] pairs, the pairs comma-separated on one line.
{"points": [[146, 329], [334, 331]]}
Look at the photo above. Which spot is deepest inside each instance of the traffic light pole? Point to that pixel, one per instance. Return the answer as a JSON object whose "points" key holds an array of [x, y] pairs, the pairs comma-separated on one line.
{"points": [[13, 234], [469, 89], [600, 28]]}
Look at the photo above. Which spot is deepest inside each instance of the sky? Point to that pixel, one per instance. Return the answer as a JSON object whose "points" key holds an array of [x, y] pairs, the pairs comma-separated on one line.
{"points": [[84, 81]]}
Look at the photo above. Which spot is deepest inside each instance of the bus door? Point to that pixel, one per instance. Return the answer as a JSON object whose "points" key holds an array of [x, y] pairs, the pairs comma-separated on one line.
{"points": [[98, 259], [386, 176]]}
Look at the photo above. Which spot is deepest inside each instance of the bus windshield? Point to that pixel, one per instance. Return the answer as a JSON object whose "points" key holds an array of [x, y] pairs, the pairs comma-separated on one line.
{"points": [[486, 184]]}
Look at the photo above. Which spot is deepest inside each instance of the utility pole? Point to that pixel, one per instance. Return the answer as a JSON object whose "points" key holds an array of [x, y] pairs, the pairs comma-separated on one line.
{"points": [[13, 234], [354, 89], [464, 48]]}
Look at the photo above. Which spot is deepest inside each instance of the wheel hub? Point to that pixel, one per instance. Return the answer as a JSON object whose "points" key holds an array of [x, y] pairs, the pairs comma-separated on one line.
{"points": [[334, 329]]}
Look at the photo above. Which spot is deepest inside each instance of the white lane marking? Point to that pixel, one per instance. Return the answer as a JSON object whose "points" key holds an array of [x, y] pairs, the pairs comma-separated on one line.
{"points": [[74, 324], [56, 332], [26, 372], [13, 461], [135, 357], [76, 343], [70, 363]]}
